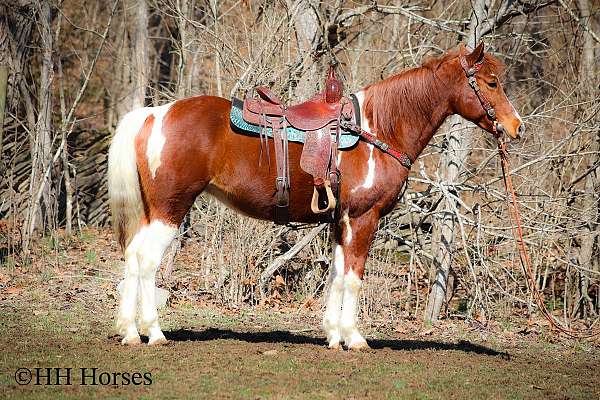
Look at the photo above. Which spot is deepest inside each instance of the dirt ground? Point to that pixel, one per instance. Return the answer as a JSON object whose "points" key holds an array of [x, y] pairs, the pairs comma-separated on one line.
{"points": [[63, 317]]}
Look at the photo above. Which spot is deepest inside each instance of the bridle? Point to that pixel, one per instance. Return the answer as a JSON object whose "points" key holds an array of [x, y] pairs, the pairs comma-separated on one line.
{"points": [[485, 103]]}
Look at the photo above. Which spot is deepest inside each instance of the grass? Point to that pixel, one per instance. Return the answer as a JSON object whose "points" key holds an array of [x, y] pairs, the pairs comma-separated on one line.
{"points": [[251, 354], [58, 312]]}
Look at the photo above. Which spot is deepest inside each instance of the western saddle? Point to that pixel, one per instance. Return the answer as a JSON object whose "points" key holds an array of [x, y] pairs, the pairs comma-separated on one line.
{"points": [[320, 119]]}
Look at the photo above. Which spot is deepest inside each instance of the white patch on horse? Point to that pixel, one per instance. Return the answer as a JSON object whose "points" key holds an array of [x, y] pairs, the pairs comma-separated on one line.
{"points": [[331, 318], [370, 178], [516, 113], [157, 140], [346, 220], [350, 335], [365, 124]]}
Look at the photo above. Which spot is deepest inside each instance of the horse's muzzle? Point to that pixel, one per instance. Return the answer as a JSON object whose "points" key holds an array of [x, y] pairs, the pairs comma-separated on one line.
{"points": [[518, 133]]}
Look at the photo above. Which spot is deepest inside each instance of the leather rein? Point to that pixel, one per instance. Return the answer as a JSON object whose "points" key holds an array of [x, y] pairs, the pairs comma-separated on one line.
{"points": [[516, 215]]}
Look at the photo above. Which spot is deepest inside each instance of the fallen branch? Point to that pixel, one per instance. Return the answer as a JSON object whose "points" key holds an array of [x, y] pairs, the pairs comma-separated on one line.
{"points": [[282, 259]]}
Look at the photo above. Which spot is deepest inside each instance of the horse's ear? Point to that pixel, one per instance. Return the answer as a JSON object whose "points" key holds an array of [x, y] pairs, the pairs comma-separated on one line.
{"points": [[476, 55]]}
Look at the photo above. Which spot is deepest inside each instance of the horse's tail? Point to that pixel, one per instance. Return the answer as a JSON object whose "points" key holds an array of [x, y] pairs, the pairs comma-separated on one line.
{"points": [[124, 191]]}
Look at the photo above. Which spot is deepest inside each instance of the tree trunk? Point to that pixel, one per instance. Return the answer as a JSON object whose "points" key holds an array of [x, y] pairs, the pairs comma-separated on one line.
{"points": [[214, 5], [458, 141], [588, 81], [15, 38], [307, 29], [3, 87], [185, 66], [135, 67], [4, 55], [40, 143]]}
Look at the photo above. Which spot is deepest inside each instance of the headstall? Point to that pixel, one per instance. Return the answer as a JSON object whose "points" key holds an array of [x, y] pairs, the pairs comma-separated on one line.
{"points": [[485, 103]]}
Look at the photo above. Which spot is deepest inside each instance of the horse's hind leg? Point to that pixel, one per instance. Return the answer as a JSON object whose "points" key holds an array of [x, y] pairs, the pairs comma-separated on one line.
{"points": [[128, 289], [158, 236]]}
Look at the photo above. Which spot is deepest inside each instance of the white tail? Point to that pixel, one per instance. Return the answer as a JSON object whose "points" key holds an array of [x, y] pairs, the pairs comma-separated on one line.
{"points": [[123, 182]]}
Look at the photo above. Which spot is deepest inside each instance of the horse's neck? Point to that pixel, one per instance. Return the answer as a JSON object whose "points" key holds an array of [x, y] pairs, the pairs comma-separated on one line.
{"points": [[418, 113]]}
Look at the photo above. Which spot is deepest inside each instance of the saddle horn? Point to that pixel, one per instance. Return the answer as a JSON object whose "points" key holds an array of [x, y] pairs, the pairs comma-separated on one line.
{"points": [[334, 89]]}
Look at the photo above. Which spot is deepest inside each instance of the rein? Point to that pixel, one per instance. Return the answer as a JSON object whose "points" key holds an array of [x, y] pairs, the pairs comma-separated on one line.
{"points": [[524, 256], [517, 228]]}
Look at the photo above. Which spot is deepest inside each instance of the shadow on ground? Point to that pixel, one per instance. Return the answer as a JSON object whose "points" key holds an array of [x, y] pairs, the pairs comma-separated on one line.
{"points": [[284, 337]]}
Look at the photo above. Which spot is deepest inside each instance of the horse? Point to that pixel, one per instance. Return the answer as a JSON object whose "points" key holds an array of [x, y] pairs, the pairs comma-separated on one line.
{"points": [[161, 158]]}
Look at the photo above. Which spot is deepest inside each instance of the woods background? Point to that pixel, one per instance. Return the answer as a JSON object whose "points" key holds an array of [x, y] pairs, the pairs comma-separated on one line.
{"points": [[69, 70]]}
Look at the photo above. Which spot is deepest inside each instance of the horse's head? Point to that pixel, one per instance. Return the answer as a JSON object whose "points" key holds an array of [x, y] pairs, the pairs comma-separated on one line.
{"points": [[479, 96]]}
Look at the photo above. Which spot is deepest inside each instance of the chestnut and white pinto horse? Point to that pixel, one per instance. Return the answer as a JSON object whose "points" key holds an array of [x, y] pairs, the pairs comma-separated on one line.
{"points": [[162, 158]]}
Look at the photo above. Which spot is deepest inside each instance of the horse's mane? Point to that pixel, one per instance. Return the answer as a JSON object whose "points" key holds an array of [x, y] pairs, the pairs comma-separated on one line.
{"points": [[411, 93]]}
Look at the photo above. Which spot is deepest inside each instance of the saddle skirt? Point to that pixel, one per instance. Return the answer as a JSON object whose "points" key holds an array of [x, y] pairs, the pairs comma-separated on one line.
{"points": [[347, 139]]}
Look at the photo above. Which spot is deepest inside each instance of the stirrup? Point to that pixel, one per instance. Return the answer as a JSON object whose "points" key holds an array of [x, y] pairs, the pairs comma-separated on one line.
{"points": [[331, 203]]}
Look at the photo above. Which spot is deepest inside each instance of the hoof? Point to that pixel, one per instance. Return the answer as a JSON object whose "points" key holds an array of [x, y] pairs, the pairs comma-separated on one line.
{"points": [[160, 341], [359, 346], [335, 346], [131, 341]]}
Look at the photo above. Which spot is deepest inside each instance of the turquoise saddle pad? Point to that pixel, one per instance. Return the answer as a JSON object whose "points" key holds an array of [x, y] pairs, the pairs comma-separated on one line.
{"points": [[347, 139]]}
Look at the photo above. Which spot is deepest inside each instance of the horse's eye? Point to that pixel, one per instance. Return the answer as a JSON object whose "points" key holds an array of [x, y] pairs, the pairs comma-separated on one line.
{"points": [[493, 84]]}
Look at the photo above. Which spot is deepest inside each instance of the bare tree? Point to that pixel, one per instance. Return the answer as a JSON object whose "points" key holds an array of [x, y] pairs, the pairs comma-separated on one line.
{"points": [[134, 67], [306, 21], [588, 79], [40, 140]]}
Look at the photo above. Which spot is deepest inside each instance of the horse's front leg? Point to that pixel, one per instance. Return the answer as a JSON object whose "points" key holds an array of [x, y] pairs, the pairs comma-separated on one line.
{"points": [[353, 237], [331, 318]]}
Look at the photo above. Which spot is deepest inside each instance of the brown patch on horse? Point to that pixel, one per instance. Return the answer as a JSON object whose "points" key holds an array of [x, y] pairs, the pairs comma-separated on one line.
{"points": [[141, 145]]}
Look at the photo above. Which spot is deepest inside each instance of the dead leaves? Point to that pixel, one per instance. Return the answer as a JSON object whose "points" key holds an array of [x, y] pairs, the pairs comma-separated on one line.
{"points": [[276, 297], [310, 304], [279, 282]]}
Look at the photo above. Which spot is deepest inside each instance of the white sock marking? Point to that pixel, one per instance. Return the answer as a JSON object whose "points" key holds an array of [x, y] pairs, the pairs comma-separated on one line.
{"points": [[331, 318], [128, 289], [158, 237], [352, 285]]}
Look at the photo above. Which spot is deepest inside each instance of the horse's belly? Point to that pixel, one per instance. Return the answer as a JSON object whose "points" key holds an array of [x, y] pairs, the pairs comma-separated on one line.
{"points": [[260, 204]]}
